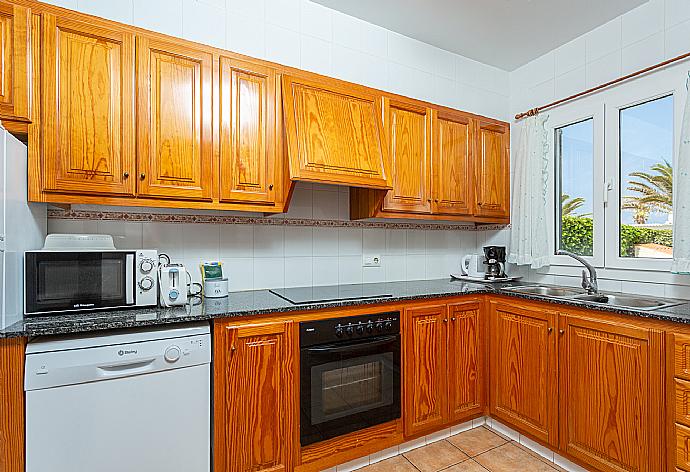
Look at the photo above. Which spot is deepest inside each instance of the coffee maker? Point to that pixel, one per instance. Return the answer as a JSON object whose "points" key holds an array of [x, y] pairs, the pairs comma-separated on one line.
{"points": [[495, 260]]}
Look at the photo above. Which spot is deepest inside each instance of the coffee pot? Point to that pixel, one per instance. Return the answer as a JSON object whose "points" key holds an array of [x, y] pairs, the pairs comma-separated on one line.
{"points": [[495, 260]]}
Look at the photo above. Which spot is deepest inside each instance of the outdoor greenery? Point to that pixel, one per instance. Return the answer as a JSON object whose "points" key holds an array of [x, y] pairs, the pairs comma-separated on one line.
{"points": [[577, 236], [653, 192], [570, 205]]}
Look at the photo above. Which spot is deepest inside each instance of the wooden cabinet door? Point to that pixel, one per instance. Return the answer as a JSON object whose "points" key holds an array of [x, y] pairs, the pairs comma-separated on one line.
{"points": [[452, 171], [424, 376], [174, 140], [247, 132], [88, 108], [335, 133], [12, 405], [465, 361], [610, 392], [523, 368], [409, 136], [15, 69], [492, 169], [254, 397]]}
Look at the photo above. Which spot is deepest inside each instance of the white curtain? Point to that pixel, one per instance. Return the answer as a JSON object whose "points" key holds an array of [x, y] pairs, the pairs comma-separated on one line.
{"points": [[529, 237], [681, 198]]}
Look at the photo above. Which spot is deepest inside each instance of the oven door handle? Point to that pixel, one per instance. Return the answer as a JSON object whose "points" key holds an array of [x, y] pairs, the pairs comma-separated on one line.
{"points": [[335, 348]]}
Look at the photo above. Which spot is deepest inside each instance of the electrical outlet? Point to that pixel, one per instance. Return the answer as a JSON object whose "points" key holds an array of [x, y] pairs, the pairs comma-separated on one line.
{"points": [[373, 260]]}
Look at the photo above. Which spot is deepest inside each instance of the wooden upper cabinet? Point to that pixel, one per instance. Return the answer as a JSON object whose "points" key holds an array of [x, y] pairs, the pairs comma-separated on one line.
{"points": [[452, 162], [409, 137], [248, 161], [492, 169], [465, 361], [424, 376], [15, 69], [523, 368], [611, 379], [335, 133], [174, 109], [254, 397], [88, 108]]}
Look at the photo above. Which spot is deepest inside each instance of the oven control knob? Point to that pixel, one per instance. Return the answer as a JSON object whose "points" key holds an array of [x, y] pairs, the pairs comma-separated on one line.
{"points": [[146, 266], [172, 354], [379, 326], [146, 283], [388, 325], [350, 330], [370, 327], [360, 328], [339, 331]]}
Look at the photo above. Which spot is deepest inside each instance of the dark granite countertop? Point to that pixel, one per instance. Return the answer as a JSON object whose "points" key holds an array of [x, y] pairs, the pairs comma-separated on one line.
{"points": [[261, 302]]}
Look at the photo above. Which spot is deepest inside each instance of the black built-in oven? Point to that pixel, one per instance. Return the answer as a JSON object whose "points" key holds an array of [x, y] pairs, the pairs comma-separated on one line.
{"points": [[349, 374]]}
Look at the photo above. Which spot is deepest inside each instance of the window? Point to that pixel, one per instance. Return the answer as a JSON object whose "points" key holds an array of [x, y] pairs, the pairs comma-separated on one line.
{"points": [[574, 145], [612, 174], [646, 180]]}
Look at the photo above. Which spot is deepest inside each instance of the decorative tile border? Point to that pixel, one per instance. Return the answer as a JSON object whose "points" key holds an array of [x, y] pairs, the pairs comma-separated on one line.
{"points": [[59, 214]]}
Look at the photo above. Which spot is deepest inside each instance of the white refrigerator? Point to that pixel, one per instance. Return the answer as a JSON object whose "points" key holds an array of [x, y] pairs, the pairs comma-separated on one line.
{"points": [[22, 226]]}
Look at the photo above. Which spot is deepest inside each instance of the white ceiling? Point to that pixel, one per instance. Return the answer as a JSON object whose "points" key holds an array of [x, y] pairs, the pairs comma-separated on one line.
{"points": [[503, 33]]}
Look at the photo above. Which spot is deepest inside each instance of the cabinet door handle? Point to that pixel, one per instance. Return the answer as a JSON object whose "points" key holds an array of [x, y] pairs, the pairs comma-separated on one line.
{"points": [[142, 176], [452, 319], [436, 200], [270, 187], [233, 348], [550, 330], [428, 200], [125, 175], [479, 203], [561, 332], [445, 320]]}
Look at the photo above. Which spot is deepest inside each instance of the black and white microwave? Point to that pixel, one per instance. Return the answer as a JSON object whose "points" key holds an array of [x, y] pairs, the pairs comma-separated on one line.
{"points": [[74, 273]]}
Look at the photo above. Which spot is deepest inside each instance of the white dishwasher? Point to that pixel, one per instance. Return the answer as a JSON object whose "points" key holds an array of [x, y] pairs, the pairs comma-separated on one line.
{"points": [[135, 401]]}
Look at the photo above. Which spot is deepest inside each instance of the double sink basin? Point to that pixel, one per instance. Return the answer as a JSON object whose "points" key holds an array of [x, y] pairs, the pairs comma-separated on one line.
{"points": [[609, 299]]}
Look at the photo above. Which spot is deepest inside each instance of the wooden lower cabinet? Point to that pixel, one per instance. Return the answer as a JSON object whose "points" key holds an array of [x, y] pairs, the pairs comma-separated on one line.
{"points": [[611, 384], [523, 368], [254, 396], [12, 405], [443, 359]]}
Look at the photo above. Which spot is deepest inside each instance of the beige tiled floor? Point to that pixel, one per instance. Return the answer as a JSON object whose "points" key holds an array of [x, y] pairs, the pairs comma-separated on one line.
{"points": [[476, 450]]}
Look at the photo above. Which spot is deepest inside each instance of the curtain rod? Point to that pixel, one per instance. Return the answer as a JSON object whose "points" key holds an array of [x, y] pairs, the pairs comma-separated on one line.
{"points": [[536, 110]]}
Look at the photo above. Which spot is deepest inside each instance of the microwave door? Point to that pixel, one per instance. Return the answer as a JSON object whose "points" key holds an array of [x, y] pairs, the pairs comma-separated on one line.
{"points": [[68, 281]]}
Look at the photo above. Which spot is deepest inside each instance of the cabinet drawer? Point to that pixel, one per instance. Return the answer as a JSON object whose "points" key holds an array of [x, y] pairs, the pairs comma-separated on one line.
{"points": [[682, 447], [681, 356], [682, 401]]}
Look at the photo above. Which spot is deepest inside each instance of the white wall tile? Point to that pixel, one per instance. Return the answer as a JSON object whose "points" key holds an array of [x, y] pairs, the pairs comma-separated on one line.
{"points": [[282, 45], [269, 272], [325, 241], [346, 31], [236, 241], [571, 82], [315, 55], [316, 20], [269, 241], [350, 270], [415, 267], [298, 241], [350, 242], [396, 242], [396, 267], [326, 206], [373, 241], [126, 235], [71, 4], [116, 10], [284, 13], [298, 271], [373, 274], [643, 53], [570, 56], [676, 39], [604, 40], [325, 270], [165, 237], [677, 11], [416, 241], [203, 23], [201, 241], [444, 92], [163, 16], [240, 273], [255, 9], [246, 35], [604, 69], [642, 22]]}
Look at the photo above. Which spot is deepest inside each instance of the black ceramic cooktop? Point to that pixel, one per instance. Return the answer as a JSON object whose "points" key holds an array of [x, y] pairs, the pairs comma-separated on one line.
{"points": [[329, 293]]}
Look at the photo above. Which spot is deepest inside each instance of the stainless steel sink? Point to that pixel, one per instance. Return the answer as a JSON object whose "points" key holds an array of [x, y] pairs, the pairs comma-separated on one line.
{"points": [[546, 291], [628, 301]]}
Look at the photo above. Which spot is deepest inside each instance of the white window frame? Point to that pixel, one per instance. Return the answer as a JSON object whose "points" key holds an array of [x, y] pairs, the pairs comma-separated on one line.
{"points": [[576, 112], [644, 89]]}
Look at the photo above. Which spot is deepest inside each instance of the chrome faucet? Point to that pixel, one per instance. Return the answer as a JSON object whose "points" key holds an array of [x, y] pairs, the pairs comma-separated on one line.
{"points": [[588, 283]]}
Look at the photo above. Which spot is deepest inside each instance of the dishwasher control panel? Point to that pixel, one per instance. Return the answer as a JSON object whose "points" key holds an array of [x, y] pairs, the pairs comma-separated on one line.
{"points": [[48, 369]]}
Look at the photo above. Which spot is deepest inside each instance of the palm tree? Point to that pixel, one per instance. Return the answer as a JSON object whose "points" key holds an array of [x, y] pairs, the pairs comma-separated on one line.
{"points": [[570, 205], [654, 192]]}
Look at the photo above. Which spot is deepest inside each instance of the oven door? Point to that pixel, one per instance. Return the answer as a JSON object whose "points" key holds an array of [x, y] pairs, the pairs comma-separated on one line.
{"points": [[77, 281], [348, 386]]}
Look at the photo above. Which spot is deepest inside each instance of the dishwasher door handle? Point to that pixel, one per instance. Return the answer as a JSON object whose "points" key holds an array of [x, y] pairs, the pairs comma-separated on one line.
{"points": [[127, 368]]}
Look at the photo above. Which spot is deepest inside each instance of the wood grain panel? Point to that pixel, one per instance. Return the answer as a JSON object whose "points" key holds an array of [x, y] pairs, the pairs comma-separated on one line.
{"points": [[335, 133], [682, 447], [465, 361], [606, 380], [254, 392], [408, 129], [492, 169], [12, 405], [174, 121], [523, 367], [88, 108], [681, 357], [247, 132], [15, 67], [424, 371], [452, 171], [682, 401]]}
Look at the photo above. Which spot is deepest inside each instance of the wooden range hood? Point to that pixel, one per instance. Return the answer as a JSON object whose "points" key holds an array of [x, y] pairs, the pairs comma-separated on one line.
{"points": [[335, 133]]}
